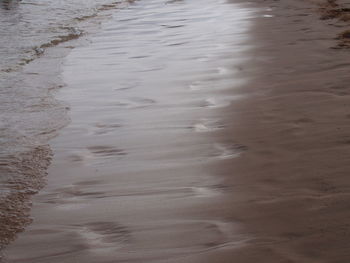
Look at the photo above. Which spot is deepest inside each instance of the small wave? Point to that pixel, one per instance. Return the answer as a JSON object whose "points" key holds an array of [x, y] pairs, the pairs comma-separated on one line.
{"points": [[74, 34], [24, 176], [29, 114], [18, 54], [86, 17], [40, 50]]}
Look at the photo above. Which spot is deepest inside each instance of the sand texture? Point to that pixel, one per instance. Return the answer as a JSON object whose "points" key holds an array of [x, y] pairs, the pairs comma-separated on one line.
{"points": [[258, 172], [291, 188]]}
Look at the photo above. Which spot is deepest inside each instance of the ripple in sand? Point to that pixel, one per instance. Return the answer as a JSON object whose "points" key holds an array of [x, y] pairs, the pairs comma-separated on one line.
{"points": [[105, 125], [214, 103], [106, 151], [197, 85], [143, 101], [78, 195], [184, 192], [71, 197], [204, 58], [106, 128], [76, 157], [222, 70], [98, 151], [228, 151], [201, 235], [134, 103], [104, 235], [88, 183], [70, 207], [79, 156], [126, 86], [207, 126], [205, 191]]}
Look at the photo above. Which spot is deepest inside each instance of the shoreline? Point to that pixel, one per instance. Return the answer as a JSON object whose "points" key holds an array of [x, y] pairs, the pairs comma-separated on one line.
{"points": [[290, 189], [130, 169], [34, 79], [286, 195]]}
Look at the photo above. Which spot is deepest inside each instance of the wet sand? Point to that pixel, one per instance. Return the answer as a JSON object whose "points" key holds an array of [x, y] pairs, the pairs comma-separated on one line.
{"points": [[262, 178], [291, 188], [129, 179]]}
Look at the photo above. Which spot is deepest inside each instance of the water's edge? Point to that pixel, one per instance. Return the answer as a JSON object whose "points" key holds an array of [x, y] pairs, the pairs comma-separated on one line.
{"points": [[146, 95], [31, 115]]}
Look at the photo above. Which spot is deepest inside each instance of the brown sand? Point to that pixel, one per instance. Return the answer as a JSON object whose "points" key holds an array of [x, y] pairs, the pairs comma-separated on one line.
{"points": [[291, 188], [288, 193]]}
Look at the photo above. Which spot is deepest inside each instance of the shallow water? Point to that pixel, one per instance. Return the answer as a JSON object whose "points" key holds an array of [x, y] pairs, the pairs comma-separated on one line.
{"points": [[144, 98], [34, 32], [28, 27]]}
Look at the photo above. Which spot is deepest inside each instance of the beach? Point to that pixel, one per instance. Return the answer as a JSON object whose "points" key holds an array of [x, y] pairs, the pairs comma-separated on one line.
{"points": [[291, 186], [207, 131]]}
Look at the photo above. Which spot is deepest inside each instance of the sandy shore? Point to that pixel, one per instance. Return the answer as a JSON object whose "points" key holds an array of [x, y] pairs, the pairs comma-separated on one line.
{"points": [[283, 198], [291, 188], [129, 179]]}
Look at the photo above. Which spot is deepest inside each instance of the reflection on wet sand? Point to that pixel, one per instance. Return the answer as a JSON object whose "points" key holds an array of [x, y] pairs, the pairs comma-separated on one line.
{"points": [[130, 180], [9, 4]]}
